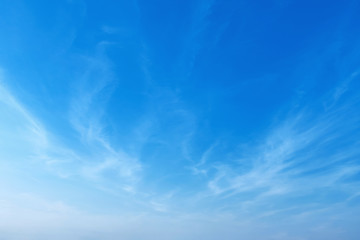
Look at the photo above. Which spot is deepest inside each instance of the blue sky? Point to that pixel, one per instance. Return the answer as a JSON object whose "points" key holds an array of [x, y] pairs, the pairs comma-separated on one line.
{"points": [[201, 119]]}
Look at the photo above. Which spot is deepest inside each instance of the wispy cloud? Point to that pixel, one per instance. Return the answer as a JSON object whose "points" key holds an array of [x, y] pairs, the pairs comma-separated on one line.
{"points": [[302, 154], [87, 109], [60, 159], [32, 124], [198, 31]]}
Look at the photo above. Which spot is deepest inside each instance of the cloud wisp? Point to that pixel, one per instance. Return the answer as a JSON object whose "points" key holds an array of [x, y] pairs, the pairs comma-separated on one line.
{"points": [[300, 156]]}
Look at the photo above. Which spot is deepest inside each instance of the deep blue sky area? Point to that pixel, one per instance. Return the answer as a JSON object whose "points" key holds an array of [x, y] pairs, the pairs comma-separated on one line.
{"points": [[201, 119]]}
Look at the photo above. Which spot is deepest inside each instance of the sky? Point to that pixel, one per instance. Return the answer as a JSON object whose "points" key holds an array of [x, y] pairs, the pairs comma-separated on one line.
{"points": [[182, 119]]}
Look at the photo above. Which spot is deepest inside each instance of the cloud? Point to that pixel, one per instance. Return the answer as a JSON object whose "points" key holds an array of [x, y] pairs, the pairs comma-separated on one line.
{"points": [[11, 102], [29, 141], [200, 29], [304, 153], [22, 135], [88, 102]]}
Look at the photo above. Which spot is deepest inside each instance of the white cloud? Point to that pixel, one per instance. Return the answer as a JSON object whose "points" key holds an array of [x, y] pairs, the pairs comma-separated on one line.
{"points": [[299, 156], [25, 139]]}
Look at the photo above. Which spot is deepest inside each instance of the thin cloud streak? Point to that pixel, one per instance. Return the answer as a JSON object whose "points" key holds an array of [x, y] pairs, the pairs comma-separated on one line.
{"points": [[65, 162], [296, 158], [86, 115]]}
